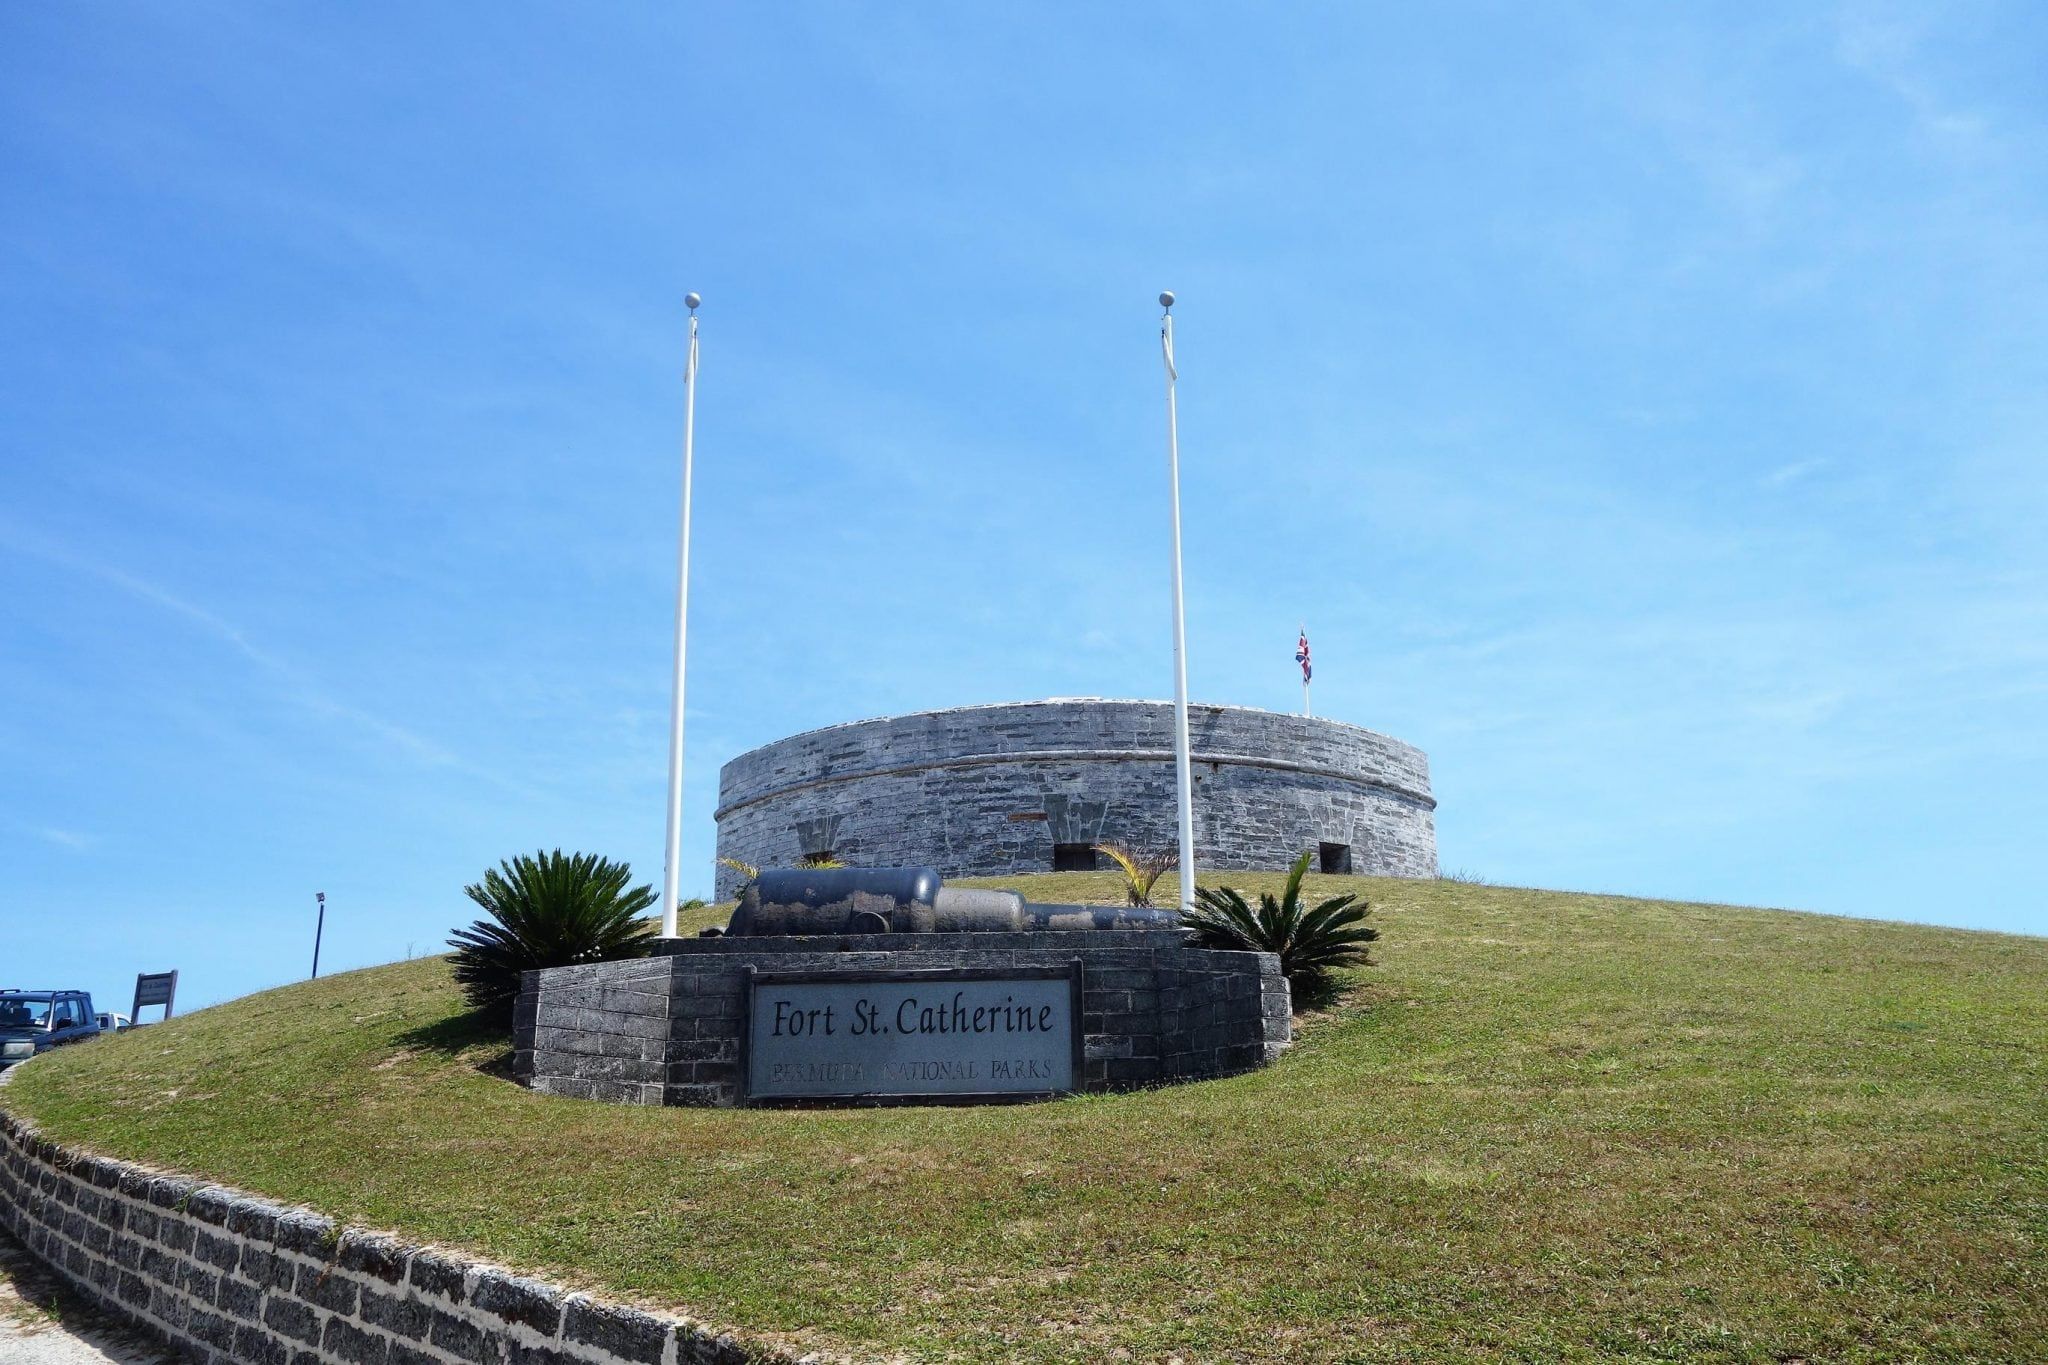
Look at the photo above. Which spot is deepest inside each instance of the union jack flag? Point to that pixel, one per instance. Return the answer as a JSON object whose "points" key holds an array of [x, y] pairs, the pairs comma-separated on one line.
{"points": [[1301, 655]]}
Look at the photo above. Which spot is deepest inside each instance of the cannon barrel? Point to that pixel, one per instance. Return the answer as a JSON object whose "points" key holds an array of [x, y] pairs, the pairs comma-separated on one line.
{"points": [[1064, 917], [908, 900], [838, 900]]}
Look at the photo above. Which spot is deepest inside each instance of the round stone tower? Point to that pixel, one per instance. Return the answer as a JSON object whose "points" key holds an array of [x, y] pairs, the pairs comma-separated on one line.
{"points": [[1033, 786]]}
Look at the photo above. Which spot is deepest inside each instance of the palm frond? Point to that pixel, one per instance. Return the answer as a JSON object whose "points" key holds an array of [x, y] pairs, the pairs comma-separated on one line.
{"points": [[547, 910], [1141, 871], [1310, 941]]}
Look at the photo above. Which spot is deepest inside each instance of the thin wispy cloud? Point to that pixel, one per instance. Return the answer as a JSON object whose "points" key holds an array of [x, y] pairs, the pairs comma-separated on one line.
{"points": [[69, 839], [292, 683], [1886, 45], [1792, 473]]}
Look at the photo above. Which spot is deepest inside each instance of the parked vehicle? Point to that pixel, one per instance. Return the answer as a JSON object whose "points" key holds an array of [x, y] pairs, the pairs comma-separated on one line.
{"points": [[36, 1021], [113, 1023]]}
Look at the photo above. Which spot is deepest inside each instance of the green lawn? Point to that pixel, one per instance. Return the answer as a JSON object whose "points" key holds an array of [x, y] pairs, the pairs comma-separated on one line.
{"points": [[1546, 1127]]}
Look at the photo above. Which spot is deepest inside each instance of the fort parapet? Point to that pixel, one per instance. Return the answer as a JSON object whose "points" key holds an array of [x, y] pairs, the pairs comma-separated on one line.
{"points": [[1032, 786]]}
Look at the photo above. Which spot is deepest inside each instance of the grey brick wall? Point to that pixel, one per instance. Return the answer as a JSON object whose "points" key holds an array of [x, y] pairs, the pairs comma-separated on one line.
{"points": [[988, 790], [666, 1030], [222, 1276]]}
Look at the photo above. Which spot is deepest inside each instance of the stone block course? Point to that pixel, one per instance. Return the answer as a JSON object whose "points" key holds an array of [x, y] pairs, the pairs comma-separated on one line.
{"points": [[622, 1332], [396, 1314], [257, 1347], [1153, 1009], [321, 1287], [224, 1278], [437, 1276]]}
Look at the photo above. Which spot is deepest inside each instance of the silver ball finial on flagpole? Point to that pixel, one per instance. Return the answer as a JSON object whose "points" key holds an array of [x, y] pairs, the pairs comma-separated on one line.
{"points": [[1166, 298], [692, 301]]}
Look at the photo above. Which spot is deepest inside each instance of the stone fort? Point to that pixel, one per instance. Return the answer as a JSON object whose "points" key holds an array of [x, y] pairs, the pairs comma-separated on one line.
{"points": [[1034, 786]]}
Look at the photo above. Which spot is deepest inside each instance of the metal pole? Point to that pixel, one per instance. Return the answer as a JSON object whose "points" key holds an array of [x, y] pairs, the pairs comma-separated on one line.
{"points": [[672, 847], [319, 928], [1183, 773]]}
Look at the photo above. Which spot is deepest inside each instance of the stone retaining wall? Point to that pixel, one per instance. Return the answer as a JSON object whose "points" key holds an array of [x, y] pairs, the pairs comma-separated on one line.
{"points": [[666, 1030], [223, 1277], [991, 790]]}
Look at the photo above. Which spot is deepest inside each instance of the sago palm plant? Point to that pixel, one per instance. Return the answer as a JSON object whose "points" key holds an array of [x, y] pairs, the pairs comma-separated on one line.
{"points": [[1309, 941], [1141, 871], [547, 910]]}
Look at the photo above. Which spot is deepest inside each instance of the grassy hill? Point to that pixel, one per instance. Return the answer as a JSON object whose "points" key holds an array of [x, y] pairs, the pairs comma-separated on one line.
{"points": [[1546, 1127]]}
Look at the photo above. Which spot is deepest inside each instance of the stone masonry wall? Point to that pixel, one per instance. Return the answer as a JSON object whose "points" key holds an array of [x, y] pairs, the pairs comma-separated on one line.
{"points": [[667, 1030], [224, 1277], [988, 790]]}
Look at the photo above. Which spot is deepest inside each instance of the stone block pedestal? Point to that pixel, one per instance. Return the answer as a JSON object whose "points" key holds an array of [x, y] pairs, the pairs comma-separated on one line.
{"points": [[667, 1029]]}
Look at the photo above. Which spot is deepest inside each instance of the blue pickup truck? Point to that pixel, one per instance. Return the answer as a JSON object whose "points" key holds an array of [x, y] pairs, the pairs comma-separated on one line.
{"points": [[36, 1021]]}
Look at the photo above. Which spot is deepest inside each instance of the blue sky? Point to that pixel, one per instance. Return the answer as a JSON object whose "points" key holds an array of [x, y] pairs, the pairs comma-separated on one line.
{"points": [[1643, 408]]}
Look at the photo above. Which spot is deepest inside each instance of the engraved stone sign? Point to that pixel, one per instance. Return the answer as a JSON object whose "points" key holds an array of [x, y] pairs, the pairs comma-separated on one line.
{"points": [[879, 1036]]}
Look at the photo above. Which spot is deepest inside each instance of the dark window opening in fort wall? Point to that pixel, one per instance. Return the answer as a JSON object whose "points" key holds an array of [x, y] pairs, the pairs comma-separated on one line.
{"points": [[988, 791], [1073, 858], [1334, 858], [824, 857]]}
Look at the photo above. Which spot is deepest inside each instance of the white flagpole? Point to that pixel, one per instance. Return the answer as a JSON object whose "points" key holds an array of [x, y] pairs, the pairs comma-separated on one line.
{"points": [[1183, 774], [672, 849]]}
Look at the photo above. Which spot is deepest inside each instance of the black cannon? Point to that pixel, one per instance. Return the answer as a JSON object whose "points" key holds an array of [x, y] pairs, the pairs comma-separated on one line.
{"points": [[909, 900]]}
